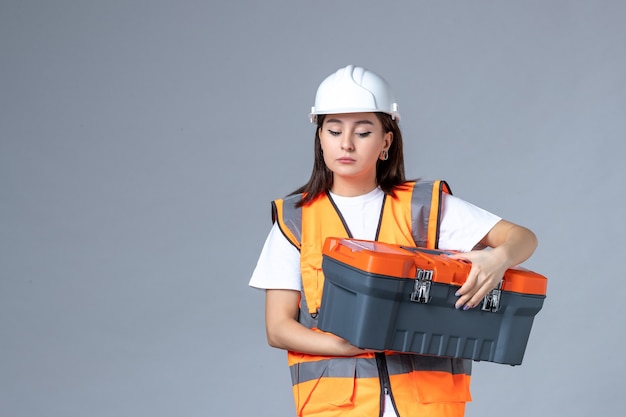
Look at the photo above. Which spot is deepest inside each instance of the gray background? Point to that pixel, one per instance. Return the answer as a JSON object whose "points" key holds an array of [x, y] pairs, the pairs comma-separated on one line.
{"points": [[141, 143]]}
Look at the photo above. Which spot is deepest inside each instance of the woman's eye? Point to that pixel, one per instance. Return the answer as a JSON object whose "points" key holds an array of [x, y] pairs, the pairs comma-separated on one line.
{"points": [[334, 133], [364, 134]]}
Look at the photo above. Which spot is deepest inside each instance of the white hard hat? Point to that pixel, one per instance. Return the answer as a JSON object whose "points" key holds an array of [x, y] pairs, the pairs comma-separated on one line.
{"points": [[354, 90]]}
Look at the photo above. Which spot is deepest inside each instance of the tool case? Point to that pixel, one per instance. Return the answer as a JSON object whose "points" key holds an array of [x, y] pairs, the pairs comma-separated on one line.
{"points": [[390, 297]]}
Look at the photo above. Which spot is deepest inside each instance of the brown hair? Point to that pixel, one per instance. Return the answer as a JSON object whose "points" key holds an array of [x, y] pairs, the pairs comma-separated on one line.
{"points": [[389, 174]]}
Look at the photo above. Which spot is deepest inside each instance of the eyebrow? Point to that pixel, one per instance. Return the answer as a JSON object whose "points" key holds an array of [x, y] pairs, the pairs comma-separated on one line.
{"points": [[358, 122]]}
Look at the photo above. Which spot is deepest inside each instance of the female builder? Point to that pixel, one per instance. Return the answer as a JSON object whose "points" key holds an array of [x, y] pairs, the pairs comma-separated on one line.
{"points": [[358, 189]]}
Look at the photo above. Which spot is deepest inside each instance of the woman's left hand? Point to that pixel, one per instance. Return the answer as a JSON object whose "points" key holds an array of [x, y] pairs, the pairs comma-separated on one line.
{"points": [[511, 243], [486, 273]]}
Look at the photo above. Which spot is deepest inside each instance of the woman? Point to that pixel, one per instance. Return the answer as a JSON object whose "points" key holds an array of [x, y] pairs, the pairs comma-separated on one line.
{"points": [[358, 189]]}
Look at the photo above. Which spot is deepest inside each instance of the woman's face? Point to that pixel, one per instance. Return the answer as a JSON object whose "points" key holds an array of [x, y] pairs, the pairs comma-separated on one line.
{"points": [[352, 143]]}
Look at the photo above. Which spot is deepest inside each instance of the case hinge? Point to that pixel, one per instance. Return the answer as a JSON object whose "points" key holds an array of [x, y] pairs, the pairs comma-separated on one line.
{"points": [[491, 302], [421, 289]]}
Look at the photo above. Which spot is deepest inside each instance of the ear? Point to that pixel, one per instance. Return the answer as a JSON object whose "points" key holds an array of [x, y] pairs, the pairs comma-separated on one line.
{"points": [[387, 140]]}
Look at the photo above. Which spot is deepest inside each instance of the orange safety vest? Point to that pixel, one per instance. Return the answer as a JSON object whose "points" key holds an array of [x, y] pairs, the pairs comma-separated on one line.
{"points": [[420, 386]]}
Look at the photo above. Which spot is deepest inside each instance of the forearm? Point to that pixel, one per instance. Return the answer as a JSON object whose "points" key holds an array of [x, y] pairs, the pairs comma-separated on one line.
{"points": [[513, 244], [291, 335], [285, 332]]}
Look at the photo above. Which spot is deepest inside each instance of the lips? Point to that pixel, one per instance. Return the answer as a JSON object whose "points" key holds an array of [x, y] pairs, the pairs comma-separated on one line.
{"points": [[346, 160]]}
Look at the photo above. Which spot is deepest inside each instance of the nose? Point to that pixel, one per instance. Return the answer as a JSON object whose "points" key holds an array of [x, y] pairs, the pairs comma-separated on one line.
{"points": [[346, 142]]}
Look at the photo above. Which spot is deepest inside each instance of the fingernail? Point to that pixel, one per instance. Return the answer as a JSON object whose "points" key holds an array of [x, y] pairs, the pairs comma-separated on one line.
{"points": [[457, 293], [466, 307]]}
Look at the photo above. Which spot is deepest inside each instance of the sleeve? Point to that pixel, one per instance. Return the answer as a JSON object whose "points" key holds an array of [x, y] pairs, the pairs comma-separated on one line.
{"points": [[278, 266], [463, 224]]}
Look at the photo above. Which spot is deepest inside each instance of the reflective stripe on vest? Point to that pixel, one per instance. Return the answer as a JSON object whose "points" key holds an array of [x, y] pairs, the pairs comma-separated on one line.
{"points": [[289, 218], [425, 211], [397, 364]]}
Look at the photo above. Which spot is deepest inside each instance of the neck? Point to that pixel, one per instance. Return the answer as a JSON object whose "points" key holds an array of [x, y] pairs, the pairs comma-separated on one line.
{"points": [[352, 189]]}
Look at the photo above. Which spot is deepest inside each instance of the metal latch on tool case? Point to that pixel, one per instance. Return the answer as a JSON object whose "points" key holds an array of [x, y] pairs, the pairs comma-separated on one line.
{"points": [[421, 288], [491, 302]]}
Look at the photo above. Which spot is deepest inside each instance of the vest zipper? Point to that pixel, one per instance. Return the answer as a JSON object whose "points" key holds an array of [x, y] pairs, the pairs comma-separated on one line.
{"points": [[385, 384]]}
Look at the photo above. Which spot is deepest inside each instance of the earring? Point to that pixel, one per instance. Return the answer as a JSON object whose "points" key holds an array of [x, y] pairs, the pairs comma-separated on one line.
{"points": [[384, 155]]}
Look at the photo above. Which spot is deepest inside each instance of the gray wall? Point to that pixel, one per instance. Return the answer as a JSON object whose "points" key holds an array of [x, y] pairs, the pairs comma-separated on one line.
{"points": [[141, 143]]}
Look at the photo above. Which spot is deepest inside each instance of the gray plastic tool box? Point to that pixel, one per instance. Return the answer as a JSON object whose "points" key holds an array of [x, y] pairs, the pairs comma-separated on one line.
{"points": [[366, 303]]}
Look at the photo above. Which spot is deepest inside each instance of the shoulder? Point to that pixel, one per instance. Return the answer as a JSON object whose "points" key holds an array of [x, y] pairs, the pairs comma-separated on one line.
{"points": [[278, 266], [463, 224], [285, 205], [291, 199], [422, 188], [287, 215]]}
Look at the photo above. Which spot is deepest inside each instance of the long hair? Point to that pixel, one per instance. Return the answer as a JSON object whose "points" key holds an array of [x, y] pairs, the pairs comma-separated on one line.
{"points": [[389, 174]]}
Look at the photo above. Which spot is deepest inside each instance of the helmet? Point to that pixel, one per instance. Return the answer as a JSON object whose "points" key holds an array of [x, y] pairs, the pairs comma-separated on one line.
{"points": [[354, 90]]}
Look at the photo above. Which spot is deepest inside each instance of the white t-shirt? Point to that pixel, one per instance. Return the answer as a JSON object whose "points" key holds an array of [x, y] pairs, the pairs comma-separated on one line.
{"points": [[463, 225]]}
